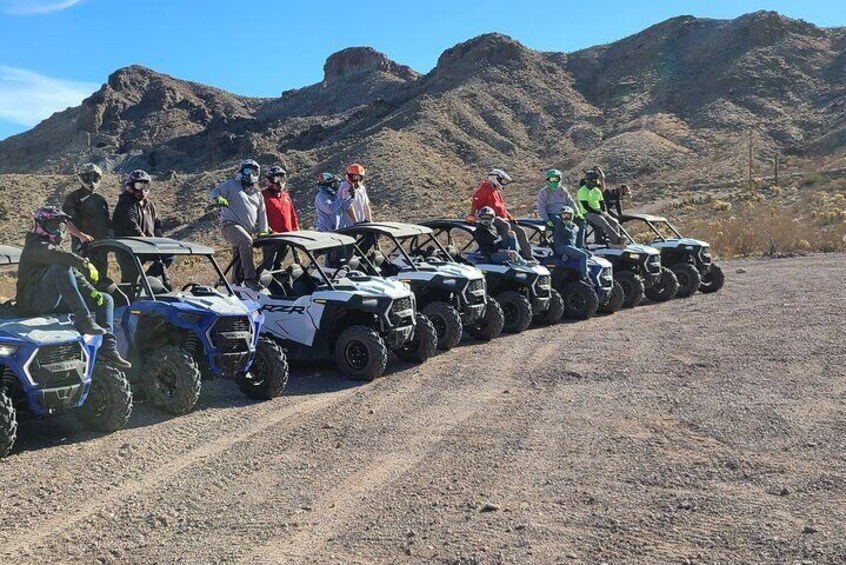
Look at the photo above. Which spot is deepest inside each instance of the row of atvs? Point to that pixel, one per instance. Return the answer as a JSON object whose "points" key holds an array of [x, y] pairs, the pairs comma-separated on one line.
{"points": [[351, 297]]}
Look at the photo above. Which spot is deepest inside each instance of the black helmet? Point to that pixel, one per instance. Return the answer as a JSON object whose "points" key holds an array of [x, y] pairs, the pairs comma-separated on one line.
{"points": [[137, 183], [592, 177], [275, 171]]}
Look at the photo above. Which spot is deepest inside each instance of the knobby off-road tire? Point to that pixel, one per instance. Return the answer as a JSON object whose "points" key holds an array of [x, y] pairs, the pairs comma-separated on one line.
{"points": [[632, 286], [688, 277], [360, 353], [580, 301], [666, 287], [447, 322], [424, 343], [554, 313], [490, 326], [615, 301], [713, 280], [109, 403], [172, 380], [8, 424], [517, 311], [268, 376]]}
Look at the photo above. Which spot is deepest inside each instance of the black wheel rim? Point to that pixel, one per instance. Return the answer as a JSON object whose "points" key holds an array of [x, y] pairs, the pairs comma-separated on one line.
{"points": [[356, 355], [255, 377], [97, 400], [440, 325], [509, 310], [684, 280], [576, 302], [166, 383]]}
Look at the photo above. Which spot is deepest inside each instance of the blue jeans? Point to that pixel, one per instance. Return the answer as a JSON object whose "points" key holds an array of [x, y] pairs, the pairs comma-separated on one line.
{"points": [[580, 236], [58, 292], [580, 255]]}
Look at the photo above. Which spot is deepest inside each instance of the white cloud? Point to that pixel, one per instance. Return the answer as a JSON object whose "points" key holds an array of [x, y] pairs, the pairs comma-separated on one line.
{"points": [[34, 7], [26, 97]]}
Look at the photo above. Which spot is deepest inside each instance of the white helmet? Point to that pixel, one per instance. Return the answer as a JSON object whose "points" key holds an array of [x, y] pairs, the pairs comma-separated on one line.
{"points": [[566, 213], [498, 178]]}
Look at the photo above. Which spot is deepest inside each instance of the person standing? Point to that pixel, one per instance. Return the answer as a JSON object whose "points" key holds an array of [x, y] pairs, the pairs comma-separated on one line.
{"points": [[281, 216], [613, 199], [330, 207], [242, 216], [89, 214], [554, 196], [353, 188], [135, 216]]}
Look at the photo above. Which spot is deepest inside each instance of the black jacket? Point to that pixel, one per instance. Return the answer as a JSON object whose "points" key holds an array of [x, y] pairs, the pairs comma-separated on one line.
{"points": [[89, 212], [487, 238], [613, 199], [135, 219], [37, 256]]}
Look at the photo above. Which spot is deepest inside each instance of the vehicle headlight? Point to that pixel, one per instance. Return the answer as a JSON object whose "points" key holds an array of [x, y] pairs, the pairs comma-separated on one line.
{"points": [[634, 256], [450, 282], [8, 350], [522, 276], [689, 247]]}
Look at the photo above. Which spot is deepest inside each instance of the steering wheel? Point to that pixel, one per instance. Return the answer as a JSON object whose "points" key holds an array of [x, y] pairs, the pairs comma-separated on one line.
{"points": [[345, 269], [190, 286]]}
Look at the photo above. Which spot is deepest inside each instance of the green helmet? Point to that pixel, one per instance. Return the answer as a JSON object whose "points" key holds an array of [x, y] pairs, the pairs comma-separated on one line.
{"points": [[553, 177]]}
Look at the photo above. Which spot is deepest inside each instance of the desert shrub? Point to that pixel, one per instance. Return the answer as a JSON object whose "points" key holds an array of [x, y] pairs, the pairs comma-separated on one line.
{"points": [[721, 206]]}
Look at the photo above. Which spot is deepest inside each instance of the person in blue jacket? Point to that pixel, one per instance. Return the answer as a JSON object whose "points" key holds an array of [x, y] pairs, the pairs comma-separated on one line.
{"points": [[565, 238]]}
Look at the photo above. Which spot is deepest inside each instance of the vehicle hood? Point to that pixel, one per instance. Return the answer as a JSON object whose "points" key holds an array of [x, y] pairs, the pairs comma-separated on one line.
{"points": [[221, 305], [685, 241], [39, 330], [374, 287]]}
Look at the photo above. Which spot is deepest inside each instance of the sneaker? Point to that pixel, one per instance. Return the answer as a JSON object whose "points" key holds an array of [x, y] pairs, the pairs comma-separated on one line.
{"points": [[87, 326], [113, 358]]}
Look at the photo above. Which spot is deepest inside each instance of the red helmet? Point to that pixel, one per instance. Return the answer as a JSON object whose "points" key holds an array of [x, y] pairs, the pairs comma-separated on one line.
{"points": [[355, 170]]}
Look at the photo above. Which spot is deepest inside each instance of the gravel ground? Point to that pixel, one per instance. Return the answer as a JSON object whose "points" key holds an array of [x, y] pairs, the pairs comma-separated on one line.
{"points": [[705, 430]]}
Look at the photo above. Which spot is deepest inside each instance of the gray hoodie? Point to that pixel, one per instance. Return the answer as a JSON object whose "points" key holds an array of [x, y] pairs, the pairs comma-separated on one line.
{"points": [[550, 202], [246, 205]]}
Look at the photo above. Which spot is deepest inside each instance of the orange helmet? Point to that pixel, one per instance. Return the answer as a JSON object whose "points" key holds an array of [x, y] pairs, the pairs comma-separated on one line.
{"points": [[355, 169]]}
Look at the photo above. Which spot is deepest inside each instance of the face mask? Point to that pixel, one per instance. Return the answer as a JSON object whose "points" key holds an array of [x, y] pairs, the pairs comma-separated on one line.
{"points": [[552, 185], [90, 182]]}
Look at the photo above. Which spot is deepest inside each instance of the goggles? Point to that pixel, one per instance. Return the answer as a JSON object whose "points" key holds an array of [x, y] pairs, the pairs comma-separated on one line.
{"points": [[355, 178], [249, 170], [486, 219], [140, 186], [554, 180], [90, 177], [277, 178]]}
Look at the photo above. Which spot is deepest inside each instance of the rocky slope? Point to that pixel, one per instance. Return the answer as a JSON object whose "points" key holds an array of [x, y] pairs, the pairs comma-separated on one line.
{"points": [[674, 102]]}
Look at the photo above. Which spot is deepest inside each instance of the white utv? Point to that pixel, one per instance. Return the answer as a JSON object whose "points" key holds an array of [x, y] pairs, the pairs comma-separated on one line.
{"points": [[452, 295], [318, 305]]}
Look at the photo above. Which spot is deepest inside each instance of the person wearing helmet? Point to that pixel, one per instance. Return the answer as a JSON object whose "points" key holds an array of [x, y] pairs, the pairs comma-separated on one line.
{"points": [[489, 194], [51, 280], [592, 206], [135, 216], [243, 216], [353, 188], [330, 207], [565, 238], [281, 216], [554, 196], [614, 199], [495, 247], [89, 213]]}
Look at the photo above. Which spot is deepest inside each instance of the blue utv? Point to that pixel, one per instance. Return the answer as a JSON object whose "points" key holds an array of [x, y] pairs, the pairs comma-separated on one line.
{"points": [[47, 368], [175, 339]]}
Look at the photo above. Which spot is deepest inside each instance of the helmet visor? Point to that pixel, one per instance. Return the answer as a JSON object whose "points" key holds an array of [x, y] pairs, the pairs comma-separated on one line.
{"points": [[90, 177], [355, 178], [553, 180], [140, 186], [486, 219], [249, 170]]}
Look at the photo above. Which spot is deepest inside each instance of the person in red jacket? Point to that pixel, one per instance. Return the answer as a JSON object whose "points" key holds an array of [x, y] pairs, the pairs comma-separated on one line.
{"points": [[281, 216], [489, 194]]}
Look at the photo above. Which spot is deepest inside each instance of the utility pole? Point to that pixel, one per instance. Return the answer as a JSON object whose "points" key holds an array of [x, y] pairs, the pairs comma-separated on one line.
{"points": [[750, 160]]}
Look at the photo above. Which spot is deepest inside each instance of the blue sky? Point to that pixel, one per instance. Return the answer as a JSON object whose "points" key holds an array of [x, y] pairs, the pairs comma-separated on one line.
{"points": [[53, 53]]}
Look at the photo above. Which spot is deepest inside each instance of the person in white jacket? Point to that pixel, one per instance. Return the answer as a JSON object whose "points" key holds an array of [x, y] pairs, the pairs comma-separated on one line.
{"points": [[353, 187], [242, 217]]}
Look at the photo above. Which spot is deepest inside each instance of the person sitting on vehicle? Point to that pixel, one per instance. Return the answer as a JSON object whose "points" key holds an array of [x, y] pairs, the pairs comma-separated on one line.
{"points": [[242, 216], [135, 216], [50, 280], [329, 205], [89, 214], [554, 196], [565, 237], [592, 207], [493, 246], [613, 199], [353, 188], [489, 194]]}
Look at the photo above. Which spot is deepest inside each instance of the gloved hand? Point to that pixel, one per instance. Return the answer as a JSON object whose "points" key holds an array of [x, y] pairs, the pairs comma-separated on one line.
{"points": [[263, 233], [98, 297], [93, 273], [221, 201], [550, 224], [470, 219]]}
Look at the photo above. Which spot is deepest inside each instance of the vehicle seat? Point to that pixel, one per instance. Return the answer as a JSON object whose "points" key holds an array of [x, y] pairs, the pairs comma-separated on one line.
{"points": [[301, 282], [157, 286]]}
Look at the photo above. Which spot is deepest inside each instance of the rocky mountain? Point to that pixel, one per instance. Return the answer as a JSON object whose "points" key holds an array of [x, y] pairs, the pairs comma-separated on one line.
{"points": [[676, 100]]}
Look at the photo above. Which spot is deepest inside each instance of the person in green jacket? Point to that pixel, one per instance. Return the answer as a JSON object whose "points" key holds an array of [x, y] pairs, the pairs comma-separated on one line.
{"points": [[592, 207]]}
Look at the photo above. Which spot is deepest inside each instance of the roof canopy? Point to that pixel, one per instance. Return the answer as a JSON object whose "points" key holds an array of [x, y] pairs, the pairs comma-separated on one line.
{"points": [[644, 217], [396, 229], [152, 246], [304, 239]]}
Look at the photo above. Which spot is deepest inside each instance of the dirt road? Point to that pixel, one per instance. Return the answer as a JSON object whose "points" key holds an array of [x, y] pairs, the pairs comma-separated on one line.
{"points": [[711, 429]]}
